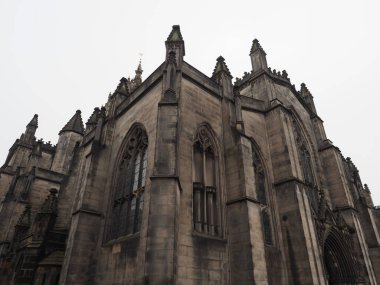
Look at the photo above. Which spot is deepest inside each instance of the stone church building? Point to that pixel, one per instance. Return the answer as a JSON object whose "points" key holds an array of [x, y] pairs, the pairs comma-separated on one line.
{"points": [[188, 179]]}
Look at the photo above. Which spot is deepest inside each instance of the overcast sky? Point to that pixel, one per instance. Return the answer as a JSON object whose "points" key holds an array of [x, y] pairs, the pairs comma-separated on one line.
{"points": [[60, 56]]}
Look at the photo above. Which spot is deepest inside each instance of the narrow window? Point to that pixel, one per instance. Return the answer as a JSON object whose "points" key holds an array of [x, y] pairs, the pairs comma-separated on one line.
{"points": [[260, 186], [128, 199], [205, 199]]}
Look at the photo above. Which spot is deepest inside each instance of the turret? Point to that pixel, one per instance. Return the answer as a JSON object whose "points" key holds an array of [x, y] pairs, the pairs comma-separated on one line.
{"points": [[29, 135], [69, 136], [258, 57]]}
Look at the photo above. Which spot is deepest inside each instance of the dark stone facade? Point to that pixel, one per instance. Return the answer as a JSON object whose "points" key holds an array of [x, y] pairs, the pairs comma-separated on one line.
{"points": [[188, 179]]}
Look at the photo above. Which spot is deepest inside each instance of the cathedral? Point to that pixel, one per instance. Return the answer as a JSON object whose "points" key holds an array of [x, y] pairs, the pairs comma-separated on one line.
{"points": [[183, 178]]}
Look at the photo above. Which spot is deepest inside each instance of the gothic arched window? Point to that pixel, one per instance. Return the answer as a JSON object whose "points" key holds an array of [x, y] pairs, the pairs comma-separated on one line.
{"points": [[304, 155], [205, 191], [305, 162], [260, 186], [128, 199]]}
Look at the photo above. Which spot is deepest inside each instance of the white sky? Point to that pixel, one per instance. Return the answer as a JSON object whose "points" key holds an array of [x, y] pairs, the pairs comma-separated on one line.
{"points": [[60, 56]]}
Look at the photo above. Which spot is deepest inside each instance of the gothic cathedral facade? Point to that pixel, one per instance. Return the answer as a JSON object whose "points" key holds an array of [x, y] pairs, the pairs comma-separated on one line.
{"points": [[188, 179]]}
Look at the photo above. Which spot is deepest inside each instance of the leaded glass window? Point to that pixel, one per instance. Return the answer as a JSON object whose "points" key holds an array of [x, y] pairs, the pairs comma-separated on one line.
{"points": [[128, 201]]}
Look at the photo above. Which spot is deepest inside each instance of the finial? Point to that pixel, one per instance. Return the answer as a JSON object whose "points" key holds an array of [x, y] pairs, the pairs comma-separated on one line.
{"points": [[366, 187], [255, 46], [175, 34], [34, 121], [139, 68], [304, 90], [220, 59], [284, 74]]}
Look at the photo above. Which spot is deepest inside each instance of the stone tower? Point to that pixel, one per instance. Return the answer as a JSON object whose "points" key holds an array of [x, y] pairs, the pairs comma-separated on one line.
{"points": [[184, 178]]}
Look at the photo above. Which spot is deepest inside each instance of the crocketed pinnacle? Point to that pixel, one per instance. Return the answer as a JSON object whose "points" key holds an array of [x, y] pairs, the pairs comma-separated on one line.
{"points": [[75, 124], [94, 117], [175, 34], [139, 68], [34, 121], [138, 71], [304, 89], [221, 66], [255, 46]]}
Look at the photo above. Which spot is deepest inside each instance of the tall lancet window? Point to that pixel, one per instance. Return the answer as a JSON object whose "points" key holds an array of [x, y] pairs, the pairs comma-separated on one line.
{"points": [[128, 201], [304, 155], [305, 161], [205, 191], [260, 186]]}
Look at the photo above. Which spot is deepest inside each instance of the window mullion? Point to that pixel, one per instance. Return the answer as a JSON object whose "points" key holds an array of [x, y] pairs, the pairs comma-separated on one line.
{"points": [[204, 194]]}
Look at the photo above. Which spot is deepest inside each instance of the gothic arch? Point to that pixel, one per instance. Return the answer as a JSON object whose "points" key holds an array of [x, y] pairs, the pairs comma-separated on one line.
{"points": [[128, 184], [307, 159], [207, 194], [339, 263], [263, 191]]}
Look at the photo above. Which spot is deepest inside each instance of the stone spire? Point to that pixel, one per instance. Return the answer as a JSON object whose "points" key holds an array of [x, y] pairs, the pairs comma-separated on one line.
{"points": [[221, 67], [29, 135], [75, 124], [137, 80], [258, 57], [34, 121], [175, 43]]}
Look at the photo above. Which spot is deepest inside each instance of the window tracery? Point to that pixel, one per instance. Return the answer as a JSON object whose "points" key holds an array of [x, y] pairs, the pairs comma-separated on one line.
{"points": [[128, 201], [305, 161], [304, 154], [205, 192]]}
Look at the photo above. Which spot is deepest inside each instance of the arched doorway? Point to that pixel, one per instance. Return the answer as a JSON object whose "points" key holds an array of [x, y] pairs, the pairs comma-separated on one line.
{"points": [[339, 263]]}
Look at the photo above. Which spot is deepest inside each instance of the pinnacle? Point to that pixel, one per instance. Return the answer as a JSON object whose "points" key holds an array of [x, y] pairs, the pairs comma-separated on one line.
{"points": [[94, 117], [221, 66], [34, 121], [139, 68], [175, 34], [304, 90], [138, 72], [255, 46], [75, 124]]}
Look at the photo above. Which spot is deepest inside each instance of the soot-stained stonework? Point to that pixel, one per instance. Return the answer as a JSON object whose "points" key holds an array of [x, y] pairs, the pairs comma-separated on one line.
{"points": [[183, 178]]}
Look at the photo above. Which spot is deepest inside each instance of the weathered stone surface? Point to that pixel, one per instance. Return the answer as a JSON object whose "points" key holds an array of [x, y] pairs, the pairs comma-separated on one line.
{"points": [[188, 179]]}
